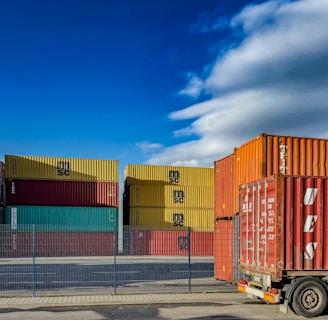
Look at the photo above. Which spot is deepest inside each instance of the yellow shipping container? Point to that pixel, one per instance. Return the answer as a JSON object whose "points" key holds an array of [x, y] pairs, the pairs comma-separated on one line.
{"points": [[168, 175], [53, 168], [196, 219], [170, 196]]}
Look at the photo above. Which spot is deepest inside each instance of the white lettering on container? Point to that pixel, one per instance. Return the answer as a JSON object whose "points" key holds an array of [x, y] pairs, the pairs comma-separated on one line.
{"points": [[309, 223], [13, 188], [310, 195], [283, 158], [310, 250]]}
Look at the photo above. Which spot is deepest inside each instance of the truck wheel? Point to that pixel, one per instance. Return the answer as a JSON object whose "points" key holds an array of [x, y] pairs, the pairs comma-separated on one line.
{"points": [[309, 299]]}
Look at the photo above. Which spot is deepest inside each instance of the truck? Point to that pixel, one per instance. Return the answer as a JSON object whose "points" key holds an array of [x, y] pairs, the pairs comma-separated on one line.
{"points": [[283, 239]]}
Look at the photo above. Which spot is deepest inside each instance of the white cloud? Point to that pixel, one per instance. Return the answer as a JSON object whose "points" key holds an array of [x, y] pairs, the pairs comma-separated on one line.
{"points": [[194, 87], [275, 81], [254, 17], [147, 147]]}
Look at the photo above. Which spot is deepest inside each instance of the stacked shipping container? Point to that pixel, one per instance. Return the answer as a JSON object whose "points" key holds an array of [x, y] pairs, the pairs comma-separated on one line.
{"points": [[2, 191], [225, 236], [62, 194], [258, 158], [172, 197]]}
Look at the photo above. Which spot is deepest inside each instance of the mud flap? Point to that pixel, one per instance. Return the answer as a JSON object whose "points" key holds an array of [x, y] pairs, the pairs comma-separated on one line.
{"points": [[284, 307]]}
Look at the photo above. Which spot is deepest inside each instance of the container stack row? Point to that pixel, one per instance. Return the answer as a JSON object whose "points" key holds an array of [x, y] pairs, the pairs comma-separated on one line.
{"points": [[173, 197], [242, 172], [57, 195], [2, 192]]}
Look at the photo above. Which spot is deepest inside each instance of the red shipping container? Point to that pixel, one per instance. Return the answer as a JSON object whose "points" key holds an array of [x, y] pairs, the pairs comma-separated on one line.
{"points": [[284, 226], [224, 187], [57, 244], [173, 243], [61, 193]]}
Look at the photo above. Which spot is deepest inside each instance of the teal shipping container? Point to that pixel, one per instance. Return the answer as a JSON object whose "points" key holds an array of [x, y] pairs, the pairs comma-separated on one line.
{"points": [[58, 218]]}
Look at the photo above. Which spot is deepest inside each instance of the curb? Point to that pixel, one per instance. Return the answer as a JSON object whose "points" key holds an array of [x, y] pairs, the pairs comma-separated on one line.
{"points": [[26, 303]]}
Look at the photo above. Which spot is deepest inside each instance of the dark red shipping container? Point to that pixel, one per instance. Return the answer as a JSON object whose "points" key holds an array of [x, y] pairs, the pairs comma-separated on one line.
{"points": [[284, 226], [61, 193]]}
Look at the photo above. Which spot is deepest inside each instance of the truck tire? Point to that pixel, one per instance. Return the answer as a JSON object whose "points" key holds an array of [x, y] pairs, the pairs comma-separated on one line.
{"points": [[309, 299]]}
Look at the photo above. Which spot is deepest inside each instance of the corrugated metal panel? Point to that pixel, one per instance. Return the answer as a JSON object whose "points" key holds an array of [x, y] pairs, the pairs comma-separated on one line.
{"points": [[292, 233], [61, 193], [173, 243], [63, 218], [223, 250], [171, 196], [262, 231], [53, 168], [223, 187], [170, 175], [197, 219], [57, 244], [2, 216], [2, 184], [2, 172], [267, 155]]}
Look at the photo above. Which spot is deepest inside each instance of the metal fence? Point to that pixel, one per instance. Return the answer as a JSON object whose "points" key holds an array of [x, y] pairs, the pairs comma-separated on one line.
{"points": [[37, 261]]}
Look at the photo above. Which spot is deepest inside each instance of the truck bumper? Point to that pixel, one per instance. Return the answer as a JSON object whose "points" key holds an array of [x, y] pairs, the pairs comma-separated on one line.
{"points": [[254, 292]]}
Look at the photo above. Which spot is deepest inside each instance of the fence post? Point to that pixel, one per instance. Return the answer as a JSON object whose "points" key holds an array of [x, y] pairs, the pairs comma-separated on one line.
{"points": [[114, 260], [189, 264], [33, 259]]}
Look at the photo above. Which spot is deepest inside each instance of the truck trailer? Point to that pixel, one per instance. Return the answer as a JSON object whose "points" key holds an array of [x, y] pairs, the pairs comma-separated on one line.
{"points": [[284, 242]]}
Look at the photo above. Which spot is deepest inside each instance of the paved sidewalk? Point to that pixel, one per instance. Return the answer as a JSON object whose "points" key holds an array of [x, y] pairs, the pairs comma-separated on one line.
{"points": [[26, 303]]}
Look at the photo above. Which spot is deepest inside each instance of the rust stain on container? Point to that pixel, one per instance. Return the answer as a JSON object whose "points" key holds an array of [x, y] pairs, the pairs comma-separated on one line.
{"points": [[283, 225]]}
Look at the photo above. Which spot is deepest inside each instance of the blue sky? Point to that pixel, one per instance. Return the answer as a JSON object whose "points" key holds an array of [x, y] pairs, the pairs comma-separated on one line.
{"points": [[159, 82]]}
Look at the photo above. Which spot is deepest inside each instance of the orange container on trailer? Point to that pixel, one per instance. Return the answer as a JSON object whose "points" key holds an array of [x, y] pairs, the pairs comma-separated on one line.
{"points": [[284, 226], [267, 155]]}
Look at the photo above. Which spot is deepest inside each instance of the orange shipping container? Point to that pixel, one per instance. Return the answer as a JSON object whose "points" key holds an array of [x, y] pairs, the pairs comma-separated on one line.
{"points": [[223, 187], [267, 155], [223, 250]]}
